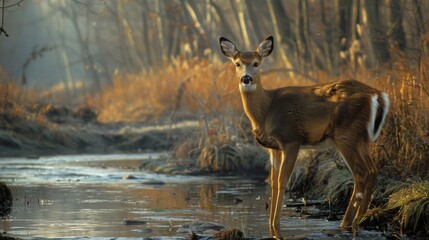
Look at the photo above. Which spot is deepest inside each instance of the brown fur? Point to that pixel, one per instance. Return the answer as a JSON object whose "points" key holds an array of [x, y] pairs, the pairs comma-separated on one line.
{"points": [[286, 118], [309, 114], [247, 57]]}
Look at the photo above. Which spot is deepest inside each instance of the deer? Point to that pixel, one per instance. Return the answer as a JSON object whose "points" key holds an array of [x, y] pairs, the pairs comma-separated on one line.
{"points": [[347, 115]]}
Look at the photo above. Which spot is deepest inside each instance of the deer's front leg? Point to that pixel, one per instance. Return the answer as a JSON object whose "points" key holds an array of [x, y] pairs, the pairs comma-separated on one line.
{"points": [[275, 159], [282, 164]]}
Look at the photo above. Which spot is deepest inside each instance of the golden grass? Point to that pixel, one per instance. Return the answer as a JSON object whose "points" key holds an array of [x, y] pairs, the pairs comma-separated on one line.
{"points": [[18, 101], [413, 204], [197, 88], [403, 148], [185, 87], [407, 206]]}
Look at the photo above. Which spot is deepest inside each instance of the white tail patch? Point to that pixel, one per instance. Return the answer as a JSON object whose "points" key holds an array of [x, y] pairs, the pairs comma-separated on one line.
{"points": [[385, 99], [373, 135], [373, 114]]}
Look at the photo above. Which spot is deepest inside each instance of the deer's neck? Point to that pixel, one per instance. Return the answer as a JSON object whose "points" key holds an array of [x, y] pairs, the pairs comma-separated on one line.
{"points": [[256, 104]]}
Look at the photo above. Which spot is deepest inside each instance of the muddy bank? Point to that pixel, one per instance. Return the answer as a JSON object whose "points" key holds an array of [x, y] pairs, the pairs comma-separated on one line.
{"points": [[63, 131], [196, 146]]}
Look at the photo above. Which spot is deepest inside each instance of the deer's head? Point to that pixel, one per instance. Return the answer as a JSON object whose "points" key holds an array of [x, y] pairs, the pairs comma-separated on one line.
{"points": [[247, 63]]}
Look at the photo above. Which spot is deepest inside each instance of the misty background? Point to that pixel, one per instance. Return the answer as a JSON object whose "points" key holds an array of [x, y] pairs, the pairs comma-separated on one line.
{"points": [[82, 44]]}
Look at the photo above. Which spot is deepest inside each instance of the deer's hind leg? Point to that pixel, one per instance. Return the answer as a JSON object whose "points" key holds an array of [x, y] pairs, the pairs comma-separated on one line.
{"points": [[370, 182], [356, 156]]}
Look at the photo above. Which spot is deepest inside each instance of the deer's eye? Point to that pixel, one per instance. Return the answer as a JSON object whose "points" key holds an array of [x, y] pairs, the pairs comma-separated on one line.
{"points": [[256, 64], [237, 64]]}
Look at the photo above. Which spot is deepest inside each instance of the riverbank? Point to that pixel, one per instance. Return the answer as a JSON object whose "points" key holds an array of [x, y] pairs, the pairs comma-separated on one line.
{"points": [[203, 147], [52, 130]]}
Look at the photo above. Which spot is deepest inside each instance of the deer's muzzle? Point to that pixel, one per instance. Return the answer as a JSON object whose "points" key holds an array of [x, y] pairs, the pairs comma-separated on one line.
{"points": [[246, 79]]}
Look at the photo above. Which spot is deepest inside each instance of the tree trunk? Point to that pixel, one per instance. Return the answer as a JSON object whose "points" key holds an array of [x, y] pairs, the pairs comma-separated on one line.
{"points": [[146, 33], [375, 38], [396, 33], [242, 22], [278, 36], [89, 64]]}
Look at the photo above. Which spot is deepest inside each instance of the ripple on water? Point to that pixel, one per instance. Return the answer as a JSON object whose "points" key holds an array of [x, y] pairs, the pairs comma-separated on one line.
{"points": [[70, 197]]}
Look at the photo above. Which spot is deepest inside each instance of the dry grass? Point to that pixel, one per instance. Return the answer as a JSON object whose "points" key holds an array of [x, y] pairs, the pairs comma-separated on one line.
{"points": [[18, 101], [186, 88], [403, 148], [219, 147], [413, 204], [407, 205], [25, 127], [13, 97], [189, 89], [198, 89]]}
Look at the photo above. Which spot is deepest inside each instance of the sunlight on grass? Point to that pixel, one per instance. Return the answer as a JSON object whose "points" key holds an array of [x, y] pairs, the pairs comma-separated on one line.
{"points": [[403, 146], [187, 88], [196, 88], [407, 205], [413, 205]]}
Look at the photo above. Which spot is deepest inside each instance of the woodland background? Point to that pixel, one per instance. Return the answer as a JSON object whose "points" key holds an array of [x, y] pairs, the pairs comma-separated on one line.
{"points": [[85, 75], [87, 43]]}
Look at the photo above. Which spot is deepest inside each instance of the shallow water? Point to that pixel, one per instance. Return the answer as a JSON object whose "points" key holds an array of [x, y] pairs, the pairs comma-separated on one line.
{"points": [[108, 197]]}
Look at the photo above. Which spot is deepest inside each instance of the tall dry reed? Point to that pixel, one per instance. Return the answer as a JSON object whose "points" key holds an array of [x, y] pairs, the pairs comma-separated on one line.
{"points": [[403, 148], [198, 88], [185, 87]]}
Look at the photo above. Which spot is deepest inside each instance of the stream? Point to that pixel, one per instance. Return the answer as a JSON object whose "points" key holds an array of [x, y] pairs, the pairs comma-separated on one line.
{"points": [[109, 197]]}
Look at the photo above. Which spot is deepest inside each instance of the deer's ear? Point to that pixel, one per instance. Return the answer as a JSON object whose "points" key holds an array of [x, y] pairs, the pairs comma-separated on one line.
{"points": [[266, 47], [228, 48]]}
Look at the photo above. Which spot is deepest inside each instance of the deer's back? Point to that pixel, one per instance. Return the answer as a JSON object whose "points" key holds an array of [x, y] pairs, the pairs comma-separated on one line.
{"points": [[313, 114]]}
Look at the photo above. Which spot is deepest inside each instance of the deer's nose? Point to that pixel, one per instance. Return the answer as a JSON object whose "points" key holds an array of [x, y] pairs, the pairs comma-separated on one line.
{"points": [[246, 79]]}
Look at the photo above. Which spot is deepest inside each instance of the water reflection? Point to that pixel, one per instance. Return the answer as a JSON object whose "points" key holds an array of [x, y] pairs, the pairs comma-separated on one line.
{"points": [[76, 196], [87, 197]]}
